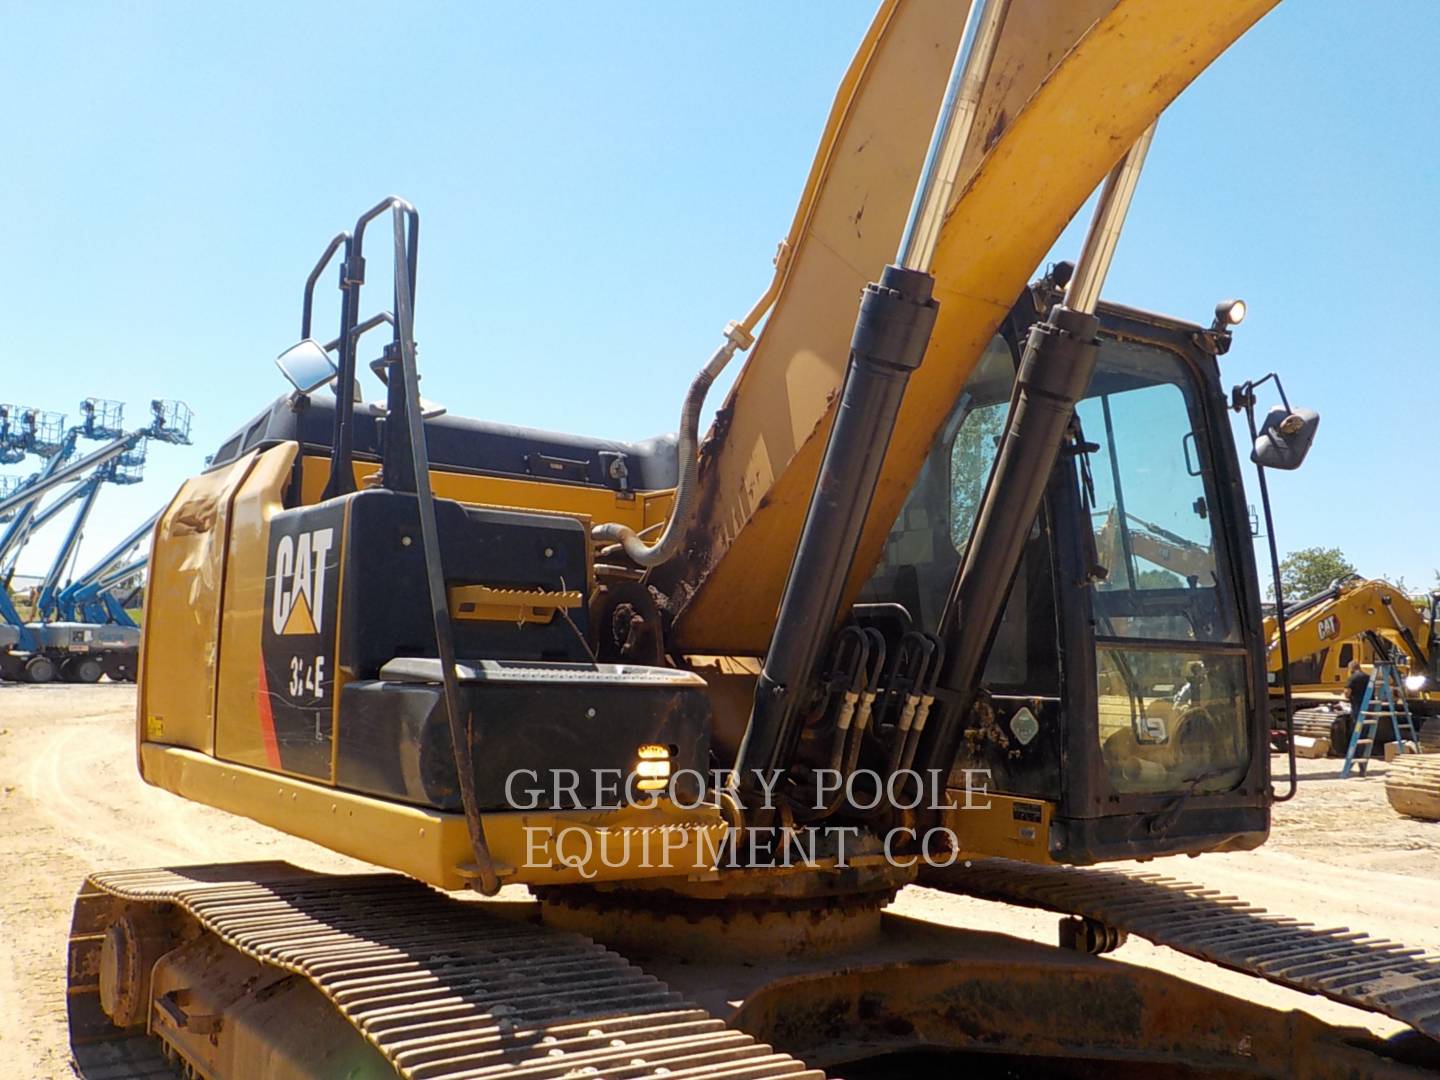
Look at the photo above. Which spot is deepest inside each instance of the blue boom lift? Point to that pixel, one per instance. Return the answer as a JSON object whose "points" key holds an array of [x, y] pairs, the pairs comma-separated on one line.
{"points": [[30, 431], [78, 642], [91, 596]]}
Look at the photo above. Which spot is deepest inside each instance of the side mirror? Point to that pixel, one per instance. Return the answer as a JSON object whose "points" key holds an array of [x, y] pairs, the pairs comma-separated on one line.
{"points": [[1284, 438], [307, 365]]}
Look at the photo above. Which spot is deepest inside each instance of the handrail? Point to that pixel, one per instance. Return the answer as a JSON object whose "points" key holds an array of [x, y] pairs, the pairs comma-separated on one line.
{"points": [[309, 304], [352, 281], [462, 731]]}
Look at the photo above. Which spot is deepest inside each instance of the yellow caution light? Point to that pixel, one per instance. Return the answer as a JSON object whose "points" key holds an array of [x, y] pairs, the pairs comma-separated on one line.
{"points": [[653, 769]]}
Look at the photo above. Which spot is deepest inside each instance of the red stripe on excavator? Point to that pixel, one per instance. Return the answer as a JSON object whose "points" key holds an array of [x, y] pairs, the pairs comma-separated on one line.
{"points": [[267, 719]]}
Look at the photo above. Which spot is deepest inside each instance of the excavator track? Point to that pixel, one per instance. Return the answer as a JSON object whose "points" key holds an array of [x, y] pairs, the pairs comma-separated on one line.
{"points": [[1412, 785], [441, 987], [1344, 965], [1325, 724]]}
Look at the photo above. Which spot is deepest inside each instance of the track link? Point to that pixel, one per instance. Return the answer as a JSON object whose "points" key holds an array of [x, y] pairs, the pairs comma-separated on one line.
{"points": [[1344, 965], [443, 988], [1413, 786]]}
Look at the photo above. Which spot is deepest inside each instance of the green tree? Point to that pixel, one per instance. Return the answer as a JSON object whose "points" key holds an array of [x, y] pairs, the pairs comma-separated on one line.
{"points": [[1418, 597], [1307, 571], [1159, 579], [971, 455]]}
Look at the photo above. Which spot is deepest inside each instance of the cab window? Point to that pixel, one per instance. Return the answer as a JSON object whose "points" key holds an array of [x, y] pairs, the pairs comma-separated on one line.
{"points": [[1172, 700]]}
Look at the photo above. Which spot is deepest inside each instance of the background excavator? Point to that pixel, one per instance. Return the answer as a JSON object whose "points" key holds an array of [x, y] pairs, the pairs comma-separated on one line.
{"points": [[715, 701], [1129, 546], [1361, 620]]}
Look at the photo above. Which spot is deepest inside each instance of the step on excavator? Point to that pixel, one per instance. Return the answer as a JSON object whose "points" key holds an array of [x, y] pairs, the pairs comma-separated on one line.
{"points": [[715, 701]]}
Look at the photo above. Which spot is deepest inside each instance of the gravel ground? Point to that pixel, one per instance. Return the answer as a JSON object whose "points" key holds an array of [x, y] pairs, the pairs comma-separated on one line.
{"points": [[71, 802]]}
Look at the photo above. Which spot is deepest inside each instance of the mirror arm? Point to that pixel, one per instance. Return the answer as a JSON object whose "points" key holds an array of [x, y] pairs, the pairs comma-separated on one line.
{"points": [[1243, 399], [340, 439], [397, 455], [363, 329], [352, 278]]}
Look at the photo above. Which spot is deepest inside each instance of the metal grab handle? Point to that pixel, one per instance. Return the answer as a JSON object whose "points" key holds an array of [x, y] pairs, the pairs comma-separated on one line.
{"points": [[1186, 441], [461, 728]]}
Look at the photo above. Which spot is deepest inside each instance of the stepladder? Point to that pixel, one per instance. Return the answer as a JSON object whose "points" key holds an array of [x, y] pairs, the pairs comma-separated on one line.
{"points": [[1384, 700]]}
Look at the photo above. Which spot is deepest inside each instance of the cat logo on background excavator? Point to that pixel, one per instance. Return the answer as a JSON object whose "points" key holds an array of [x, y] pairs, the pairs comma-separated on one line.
{"points": [[298, 603]]}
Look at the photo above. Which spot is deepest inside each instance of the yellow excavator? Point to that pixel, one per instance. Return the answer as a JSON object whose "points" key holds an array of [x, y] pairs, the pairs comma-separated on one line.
{"points": [[1354, 620], [1130, 545], [715, 701]]}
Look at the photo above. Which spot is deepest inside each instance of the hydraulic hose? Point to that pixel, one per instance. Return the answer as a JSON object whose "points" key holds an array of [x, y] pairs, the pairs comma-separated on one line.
{"points": [[737, 337]]}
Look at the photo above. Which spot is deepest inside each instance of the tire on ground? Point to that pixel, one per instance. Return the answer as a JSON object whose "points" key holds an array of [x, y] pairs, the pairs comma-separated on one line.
{"points": [[82, 669], [39, 669], [119, 666]]}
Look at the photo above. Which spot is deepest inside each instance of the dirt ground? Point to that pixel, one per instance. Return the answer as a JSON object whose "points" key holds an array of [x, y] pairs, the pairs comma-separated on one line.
{"points": [[71, 802]]}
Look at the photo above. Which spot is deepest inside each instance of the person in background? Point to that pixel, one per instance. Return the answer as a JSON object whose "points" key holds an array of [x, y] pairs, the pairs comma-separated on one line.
{"points": [[1355, 687], [1195, 679]]}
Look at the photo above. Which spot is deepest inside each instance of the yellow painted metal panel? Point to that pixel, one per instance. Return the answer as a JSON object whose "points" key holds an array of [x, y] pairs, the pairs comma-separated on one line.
{"points": [[180, 633], [989, 824], [433, 846], [639, 510], [237, 725]]}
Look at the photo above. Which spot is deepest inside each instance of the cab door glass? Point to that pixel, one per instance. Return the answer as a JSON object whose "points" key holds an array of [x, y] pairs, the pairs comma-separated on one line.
{"points": [[1172, 688], [1172, 721], [1154, 529]]}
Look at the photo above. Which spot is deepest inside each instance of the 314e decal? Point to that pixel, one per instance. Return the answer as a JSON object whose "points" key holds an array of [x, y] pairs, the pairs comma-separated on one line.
{"points": [[302, 591]]}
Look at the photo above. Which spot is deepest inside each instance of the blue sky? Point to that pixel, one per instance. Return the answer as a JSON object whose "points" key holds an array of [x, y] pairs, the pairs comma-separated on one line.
{"points": [[602, 187]]}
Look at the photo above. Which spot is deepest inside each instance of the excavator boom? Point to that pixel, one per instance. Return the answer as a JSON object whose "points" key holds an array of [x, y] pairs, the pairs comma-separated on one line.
{"points": [[1071, 88], [1349, 610]]}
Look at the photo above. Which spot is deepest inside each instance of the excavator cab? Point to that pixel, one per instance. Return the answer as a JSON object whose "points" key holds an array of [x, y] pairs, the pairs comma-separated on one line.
{"points": [[1119, 689]]}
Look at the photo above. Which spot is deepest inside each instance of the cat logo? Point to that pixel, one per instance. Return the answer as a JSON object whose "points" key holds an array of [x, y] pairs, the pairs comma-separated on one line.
{"points": [[298, 604], [1329, 627]]}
